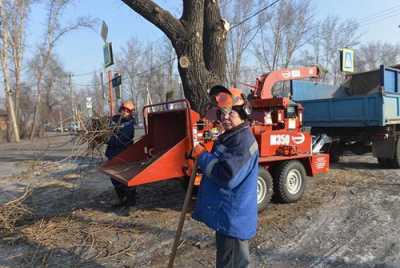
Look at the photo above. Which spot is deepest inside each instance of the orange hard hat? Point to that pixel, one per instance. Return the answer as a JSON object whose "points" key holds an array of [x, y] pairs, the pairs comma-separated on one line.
{"points": [[237, 96], [226, 98], [128, 105]]}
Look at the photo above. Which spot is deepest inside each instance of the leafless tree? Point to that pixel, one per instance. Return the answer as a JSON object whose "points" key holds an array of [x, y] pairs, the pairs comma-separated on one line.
{"points": [[55, 91], [283, 32], [5, 7], [168, 60], [98, 94], [239, 38], [18, 17], [371, 55], [129, 62], [198, 38], [330, 35], [53, 33]]}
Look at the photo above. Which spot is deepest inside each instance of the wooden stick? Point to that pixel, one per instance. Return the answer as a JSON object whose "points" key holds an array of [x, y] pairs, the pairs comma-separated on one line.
{"points": [[182, 217]]}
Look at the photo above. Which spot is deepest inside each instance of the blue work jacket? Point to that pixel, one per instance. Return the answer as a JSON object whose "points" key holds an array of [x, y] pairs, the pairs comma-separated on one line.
{"points": [[122, 136], [227, 197]]}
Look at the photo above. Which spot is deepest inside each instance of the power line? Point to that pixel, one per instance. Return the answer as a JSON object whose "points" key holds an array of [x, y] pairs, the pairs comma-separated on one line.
{"points": [[379, 19], [254, 14], [379, 13]]}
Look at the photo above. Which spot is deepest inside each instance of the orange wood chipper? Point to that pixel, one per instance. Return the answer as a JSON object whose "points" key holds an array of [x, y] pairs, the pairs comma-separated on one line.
{"points": [[287, 151]]}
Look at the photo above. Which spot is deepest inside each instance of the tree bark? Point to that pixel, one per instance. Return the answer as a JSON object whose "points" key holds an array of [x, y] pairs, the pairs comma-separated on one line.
{"points": [[198, 38], [19, 19], [4, 65]]}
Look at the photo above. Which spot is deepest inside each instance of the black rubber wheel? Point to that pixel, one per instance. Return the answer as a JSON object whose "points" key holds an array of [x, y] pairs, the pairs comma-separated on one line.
{"points": [[395, 162], [289, 181], [391, 162], [335, 152], [264, 188]]}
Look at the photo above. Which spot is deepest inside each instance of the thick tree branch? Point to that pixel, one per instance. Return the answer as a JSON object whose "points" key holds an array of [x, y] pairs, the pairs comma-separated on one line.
{"points": [[215, 31], [158, 16]]}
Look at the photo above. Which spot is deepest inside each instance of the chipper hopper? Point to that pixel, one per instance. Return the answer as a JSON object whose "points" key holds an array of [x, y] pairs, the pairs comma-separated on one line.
{"points": [[161, 153]]}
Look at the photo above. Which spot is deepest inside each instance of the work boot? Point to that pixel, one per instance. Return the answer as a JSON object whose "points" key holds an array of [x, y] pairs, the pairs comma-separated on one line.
{"points": [[122, 198], [131, 197], [123, 211]]}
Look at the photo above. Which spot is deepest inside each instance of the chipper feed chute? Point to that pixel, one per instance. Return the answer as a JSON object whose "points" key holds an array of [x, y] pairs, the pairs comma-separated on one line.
{"points": [[160, 153]]}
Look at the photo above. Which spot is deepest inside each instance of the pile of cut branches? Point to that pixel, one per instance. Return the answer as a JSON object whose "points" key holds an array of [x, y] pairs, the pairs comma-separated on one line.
{"points": [[95, 132], [13, 211]]}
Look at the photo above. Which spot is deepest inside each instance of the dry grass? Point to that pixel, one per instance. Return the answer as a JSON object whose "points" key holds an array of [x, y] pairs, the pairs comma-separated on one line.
{"points": [[88, 241], [13, 211]]}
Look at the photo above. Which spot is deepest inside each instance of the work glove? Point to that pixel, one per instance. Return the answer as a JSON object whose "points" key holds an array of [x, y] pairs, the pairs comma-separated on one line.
{"points": [[197, 151]]}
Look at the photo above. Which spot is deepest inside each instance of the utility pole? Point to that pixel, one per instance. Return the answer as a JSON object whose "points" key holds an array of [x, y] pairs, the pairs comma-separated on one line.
{"points": [[4, 64], [103, 92], [72, 97], [61, 121], [110, 94]]}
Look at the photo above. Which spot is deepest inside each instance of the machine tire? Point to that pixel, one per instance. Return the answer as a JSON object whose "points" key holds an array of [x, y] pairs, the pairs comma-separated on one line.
{"points": [[264, 188], [289, 181]]}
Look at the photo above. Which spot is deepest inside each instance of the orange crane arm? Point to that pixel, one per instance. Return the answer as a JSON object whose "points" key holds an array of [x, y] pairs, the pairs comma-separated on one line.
{"points": [[264, 84]]}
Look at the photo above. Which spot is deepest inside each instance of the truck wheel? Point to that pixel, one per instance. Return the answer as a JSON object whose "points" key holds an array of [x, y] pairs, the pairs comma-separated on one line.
{"points": [[335, 152], [289, 181], [395, 162], [264, 188], [386, 162], [334, 157]]}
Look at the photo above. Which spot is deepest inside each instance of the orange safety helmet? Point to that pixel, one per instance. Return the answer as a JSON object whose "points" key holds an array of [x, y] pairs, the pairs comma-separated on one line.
{"points": [[227, 98], [128, 105], [231, 98]]}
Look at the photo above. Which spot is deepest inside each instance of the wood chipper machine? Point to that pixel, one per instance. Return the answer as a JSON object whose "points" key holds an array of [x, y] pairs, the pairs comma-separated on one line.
{"points": [[287, 152]]}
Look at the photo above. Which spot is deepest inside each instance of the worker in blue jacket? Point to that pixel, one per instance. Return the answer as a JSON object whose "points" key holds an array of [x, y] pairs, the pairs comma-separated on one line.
{"points": [[227, 197], [123, 134]]}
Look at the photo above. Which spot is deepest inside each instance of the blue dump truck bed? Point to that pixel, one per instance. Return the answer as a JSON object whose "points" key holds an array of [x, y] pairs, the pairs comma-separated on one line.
{"points": [[366, 99]]}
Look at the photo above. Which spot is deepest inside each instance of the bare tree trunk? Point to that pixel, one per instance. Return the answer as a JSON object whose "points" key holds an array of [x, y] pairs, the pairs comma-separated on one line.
{"points": [[17, 45], [35, 117], [4, 65], [198, 38]]}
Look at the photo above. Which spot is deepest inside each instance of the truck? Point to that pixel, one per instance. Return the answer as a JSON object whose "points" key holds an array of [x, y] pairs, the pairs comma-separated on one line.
{"points": [[361, 116], [287, 152]]}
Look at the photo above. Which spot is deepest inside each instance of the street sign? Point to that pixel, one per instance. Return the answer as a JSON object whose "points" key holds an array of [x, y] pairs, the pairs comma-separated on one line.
{"points": [[347, 60], [116, 84], [117, 81], [108, 55], [117, 92], [104, 31]]}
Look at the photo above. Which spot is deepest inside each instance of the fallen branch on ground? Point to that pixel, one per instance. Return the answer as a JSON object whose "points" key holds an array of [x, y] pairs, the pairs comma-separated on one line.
{"points": [[13, 211]]}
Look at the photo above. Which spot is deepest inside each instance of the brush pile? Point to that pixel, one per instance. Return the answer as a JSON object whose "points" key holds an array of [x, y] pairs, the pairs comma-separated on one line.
{"points": [[95, 132], [13, 211]]}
